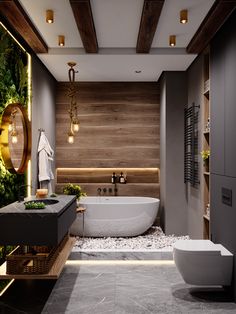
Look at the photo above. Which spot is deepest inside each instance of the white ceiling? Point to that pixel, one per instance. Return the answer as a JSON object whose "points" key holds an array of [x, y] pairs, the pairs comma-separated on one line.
{"points": [[117, 26]]}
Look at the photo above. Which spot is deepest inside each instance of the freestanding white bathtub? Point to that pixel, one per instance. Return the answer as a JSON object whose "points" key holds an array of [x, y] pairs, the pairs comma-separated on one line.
{"points": [[115, 216]]}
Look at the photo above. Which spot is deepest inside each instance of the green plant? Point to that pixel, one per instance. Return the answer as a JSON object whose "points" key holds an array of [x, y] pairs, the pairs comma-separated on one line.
{"points": [[73, 189], [34, 205], [205, 155], [9, 184], [13, 88]]}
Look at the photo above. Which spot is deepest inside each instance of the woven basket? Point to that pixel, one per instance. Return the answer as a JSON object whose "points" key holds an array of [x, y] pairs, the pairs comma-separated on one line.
{"points": [[38, 261]]}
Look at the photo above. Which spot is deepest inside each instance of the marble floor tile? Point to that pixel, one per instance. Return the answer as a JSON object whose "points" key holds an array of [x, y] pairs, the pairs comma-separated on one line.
{"points": [[116, 289]]}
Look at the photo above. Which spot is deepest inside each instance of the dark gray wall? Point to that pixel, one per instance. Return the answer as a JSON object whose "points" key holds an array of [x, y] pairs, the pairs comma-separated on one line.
{"points": [[194, 195], [223, 131], [173, 98], [43, 110]]}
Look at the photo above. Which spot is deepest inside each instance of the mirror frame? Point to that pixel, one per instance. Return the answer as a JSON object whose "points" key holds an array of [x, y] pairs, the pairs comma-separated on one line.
{"points": [[5, 150]]}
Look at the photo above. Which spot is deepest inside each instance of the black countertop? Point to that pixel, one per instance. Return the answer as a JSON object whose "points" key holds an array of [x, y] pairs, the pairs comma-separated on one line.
{"points": [[19, 207]]}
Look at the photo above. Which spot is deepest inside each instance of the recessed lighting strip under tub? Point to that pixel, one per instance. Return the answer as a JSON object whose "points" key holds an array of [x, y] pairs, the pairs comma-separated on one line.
{"points": [[120, 262]]}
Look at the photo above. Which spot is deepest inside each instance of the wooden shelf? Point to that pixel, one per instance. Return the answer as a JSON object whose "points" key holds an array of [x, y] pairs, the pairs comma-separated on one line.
{"points": [[206, 92], [206, 145], [54, 272], [206, 217]]}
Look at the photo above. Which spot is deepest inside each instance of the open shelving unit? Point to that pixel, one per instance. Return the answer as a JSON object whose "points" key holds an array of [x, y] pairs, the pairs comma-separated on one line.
{"points": [[206, 146], [55, 270]]}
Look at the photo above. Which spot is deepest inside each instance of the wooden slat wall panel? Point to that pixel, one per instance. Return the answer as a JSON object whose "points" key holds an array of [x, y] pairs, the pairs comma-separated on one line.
{"points": [[119, 127], [107, 163]]}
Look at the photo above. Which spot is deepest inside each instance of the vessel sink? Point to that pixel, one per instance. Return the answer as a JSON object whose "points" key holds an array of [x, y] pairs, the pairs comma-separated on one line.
{"points": [[47, 201]]}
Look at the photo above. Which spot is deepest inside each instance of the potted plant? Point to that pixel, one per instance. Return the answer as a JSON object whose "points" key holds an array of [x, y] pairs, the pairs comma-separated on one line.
{"points": [[73, 189], [205, 157]]}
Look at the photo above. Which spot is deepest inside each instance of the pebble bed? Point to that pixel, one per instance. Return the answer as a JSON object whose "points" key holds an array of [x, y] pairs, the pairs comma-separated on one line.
{"points": [[153, 239]]}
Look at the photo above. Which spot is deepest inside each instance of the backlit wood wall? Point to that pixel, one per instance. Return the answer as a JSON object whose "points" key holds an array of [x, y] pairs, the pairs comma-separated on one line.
{"points": [[119, 128]]}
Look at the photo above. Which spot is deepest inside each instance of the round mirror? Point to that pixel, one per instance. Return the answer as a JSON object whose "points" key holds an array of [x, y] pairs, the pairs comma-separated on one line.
{"points": [[15, 138]]}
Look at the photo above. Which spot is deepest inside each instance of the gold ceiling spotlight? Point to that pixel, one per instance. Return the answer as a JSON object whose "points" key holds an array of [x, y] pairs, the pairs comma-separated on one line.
{"points": [[183, 16], [172, 40], [61, 40], [49, 16]]}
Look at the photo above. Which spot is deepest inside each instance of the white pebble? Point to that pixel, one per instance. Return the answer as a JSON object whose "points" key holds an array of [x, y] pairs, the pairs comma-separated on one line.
{"points": [[153, 239]]}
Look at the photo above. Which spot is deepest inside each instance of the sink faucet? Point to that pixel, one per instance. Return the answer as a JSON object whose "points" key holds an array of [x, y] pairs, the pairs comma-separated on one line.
{"points": [[22, 196]]}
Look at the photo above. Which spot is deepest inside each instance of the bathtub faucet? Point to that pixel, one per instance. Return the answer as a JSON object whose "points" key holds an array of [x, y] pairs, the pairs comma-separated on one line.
{"points": [[115, 189], [99, 190], [114, 182]]}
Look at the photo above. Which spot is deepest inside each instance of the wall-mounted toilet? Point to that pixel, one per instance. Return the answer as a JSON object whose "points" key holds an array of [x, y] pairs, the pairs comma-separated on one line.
{"points": [[201, 262]]}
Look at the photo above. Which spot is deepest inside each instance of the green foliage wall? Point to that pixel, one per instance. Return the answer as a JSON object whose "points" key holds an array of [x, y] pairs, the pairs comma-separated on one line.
{"points": [[13, 88]]}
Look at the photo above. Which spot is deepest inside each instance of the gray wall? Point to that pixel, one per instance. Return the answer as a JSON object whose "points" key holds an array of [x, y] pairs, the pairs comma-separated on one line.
{"points": [[223, 131], [173, 98], [194, 195], [43, 110]]}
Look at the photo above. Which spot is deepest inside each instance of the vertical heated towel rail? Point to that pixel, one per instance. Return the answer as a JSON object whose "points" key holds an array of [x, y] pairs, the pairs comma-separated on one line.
{"points": [[191, 145]]}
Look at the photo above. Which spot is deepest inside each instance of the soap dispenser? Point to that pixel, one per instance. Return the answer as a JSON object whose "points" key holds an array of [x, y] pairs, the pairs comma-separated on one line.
{"points": [[121, 178], [113, 178]]}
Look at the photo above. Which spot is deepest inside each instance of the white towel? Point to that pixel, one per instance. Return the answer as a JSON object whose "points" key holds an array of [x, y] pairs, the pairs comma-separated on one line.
{"points": [[45, 158]]}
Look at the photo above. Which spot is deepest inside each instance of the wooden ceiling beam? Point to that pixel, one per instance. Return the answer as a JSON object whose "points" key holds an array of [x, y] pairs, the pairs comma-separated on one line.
{"points": [[16, 17], [214, 19], [84, 19], [148, 24]]}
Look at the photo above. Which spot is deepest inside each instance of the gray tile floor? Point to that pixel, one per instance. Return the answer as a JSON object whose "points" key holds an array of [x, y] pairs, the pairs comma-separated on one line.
{"points": [[115, 288], [131, 289]]}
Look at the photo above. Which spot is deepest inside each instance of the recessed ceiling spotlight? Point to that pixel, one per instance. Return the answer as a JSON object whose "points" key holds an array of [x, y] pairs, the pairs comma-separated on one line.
{"points": [[49, 16], [183, 16], [61, 40], [172, 40], [138, 71]]}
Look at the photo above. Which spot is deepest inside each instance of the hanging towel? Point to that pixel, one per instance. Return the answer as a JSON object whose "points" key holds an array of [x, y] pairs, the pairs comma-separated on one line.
{"points": [[45, 159]]}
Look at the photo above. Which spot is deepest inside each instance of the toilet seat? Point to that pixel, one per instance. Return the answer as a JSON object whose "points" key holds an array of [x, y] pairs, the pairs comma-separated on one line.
{"points": [[202, 262], [204, 246]]}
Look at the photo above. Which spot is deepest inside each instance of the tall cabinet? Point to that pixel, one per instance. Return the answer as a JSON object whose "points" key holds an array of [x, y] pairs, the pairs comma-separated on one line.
{"points": [[206, 148]]}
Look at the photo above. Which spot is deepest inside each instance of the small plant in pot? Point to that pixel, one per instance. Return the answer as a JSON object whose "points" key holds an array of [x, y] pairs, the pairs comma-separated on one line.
{"points": [[73, 189], [205, 157]]}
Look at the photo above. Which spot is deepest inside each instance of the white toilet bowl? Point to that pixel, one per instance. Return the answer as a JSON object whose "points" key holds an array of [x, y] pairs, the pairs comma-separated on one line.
{"points": [[201, 262]]}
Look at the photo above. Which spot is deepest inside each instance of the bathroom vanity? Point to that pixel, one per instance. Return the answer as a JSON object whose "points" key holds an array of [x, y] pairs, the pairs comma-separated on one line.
{"points": [[41, 227]]}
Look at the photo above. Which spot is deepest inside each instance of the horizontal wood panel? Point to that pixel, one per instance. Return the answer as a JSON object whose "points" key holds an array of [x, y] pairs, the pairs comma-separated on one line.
{"points": [[111, 153], [116, 119], [108, 141], [129, 189], [112, 92], [102, 131], [109, 108], [107, 163]]}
